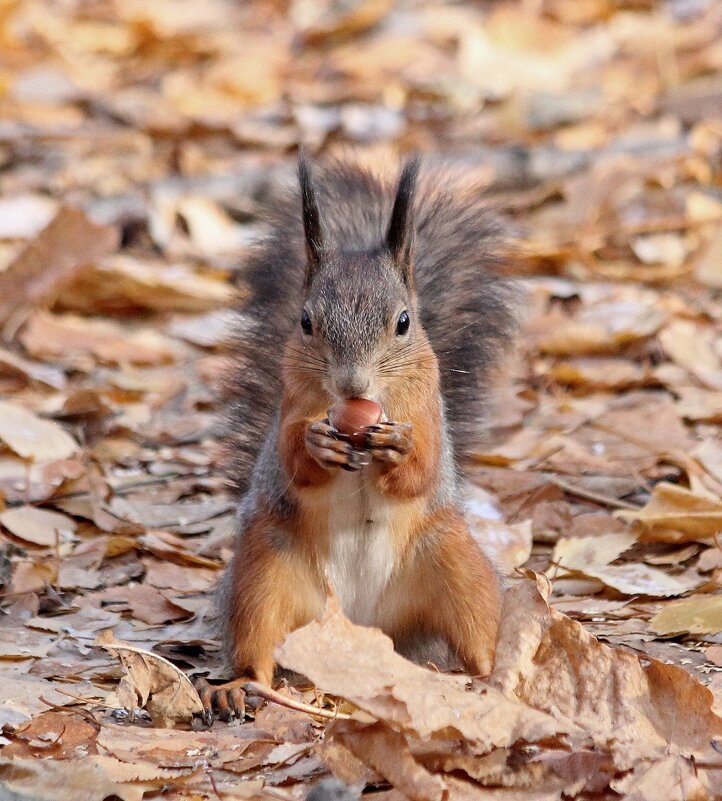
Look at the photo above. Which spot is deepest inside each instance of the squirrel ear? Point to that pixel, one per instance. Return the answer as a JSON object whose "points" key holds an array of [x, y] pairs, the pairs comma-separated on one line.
{"points": [[400, 234], [315, 244]]}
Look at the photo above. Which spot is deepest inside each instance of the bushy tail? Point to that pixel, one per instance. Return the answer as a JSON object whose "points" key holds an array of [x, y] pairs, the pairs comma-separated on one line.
{"points": [[468, 310]]}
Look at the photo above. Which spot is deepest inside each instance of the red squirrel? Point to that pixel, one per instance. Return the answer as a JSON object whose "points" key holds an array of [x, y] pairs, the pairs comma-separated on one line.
{"points": [[386, 291]]}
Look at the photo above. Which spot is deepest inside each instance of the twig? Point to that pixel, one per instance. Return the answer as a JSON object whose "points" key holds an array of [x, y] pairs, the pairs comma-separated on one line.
{"points": [[593, 496], [254, 688]]}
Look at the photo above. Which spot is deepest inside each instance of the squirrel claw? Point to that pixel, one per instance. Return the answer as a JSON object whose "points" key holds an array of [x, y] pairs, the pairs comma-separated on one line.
{"points": [[225, 701], [323, 445], [389, 442]]}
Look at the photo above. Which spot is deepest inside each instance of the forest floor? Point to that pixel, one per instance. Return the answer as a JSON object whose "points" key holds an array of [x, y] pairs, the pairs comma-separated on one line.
{"points": [[139, 142]]}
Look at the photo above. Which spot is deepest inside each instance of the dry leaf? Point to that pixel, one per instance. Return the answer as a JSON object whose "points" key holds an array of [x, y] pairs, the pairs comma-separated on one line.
{"points": [[595, 374], [387, 752], [34, 483], [590, 552], [361, 665], [34, 371], [690, 346], [592, 556], [708, 269], [551, 663], [33, 438], [604, 328], [673, 507], [701, 615], [57, 735], [674, 778], [700, 404], [25, 216], [67, 244], [121, 284], [154, 682], [38, 526], [83, 779], [18, 642], [508, 545], [151, 606], [68, 337]]}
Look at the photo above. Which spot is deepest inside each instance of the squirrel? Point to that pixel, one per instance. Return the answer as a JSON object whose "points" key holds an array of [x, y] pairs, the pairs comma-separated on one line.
{"points": [[389, 291]]}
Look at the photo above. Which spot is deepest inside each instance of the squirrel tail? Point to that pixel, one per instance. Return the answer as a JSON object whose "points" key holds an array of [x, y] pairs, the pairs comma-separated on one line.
{"points": [[469, 311]]}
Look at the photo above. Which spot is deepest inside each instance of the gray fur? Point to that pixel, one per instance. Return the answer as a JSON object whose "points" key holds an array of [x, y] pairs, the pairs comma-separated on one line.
{"points": [[466, 309]]}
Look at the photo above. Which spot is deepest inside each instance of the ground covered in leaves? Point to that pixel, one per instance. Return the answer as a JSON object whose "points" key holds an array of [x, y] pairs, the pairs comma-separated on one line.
{"points": [[138, 142]]}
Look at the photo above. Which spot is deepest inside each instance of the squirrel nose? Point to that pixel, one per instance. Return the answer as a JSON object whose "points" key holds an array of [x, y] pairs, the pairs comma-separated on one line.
{"points": [[352, 384]]}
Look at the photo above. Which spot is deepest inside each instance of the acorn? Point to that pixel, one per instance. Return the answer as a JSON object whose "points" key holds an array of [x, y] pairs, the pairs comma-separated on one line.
{"points": [[350, 417]]}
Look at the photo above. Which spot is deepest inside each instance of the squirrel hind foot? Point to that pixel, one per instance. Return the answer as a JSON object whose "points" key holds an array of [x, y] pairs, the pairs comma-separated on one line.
{"points": [[227, 702]]}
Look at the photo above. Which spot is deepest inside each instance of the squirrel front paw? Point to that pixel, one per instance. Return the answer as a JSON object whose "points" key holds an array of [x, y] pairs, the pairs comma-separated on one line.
{"points": [[330, 452], [389, 442]]}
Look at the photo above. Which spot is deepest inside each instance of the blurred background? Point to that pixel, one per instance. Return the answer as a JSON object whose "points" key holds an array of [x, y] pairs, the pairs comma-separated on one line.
{"points": [[595, 122]]}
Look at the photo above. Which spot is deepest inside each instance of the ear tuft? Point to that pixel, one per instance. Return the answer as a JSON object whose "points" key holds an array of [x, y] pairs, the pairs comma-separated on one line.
{"points": [[315, 243], [400, 234]]}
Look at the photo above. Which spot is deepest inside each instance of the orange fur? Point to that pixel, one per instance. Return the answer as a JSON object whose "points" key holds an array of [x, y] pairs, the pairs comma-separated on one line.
{"points": [[300, 466], [275, 589], [446, 586], [440, 582]]}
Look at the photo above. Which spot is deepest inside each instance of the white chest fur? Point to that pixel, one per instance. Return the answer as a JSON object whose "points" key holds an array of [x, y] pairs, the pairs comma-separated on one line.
{"points": [[361, 553]]}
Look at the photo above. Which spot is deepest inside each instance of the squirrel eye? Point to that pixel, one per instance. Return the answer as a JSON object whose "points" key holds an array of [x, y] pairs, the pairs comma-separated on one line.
{"points": [[402, 326], [306, 326]]}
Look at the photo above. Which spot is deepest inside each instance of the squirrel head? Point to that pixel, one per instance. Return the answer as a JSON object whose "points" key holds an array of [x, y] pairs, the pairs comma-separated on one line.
{"points": [[359, 329]]}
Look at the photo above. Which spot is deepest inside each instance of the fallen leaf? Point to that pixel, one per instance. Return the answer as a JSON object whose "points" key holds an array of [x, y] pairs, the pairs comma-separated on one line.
{"points": [[709, 454], [590, 552], [18, 642], [167, 575], [387, 752], [673, 507], [208, 330], [174, 748], [509, 546], [701, 615], [592, 556], [20, 696], [678, 775], [595, 374], [68, 338], [81, 779], [708, 269], [664, 248], [713, 653], [38, 526], [32, 371], [691, 346], [361, 665], [148, 604], [551, 663], [639, 579], [58, 735], [121, 284], [700, 404], [603, 328], [154, 682], [36, 482], [31, 437], [67, 244], [25, 216]]}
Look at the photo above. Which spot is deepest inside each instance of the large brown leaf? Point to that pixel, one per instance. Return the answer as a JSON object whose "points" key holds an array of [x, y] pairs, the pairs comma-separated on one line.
{"points": [[70, 242], [551, 663], [361, 665]]}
